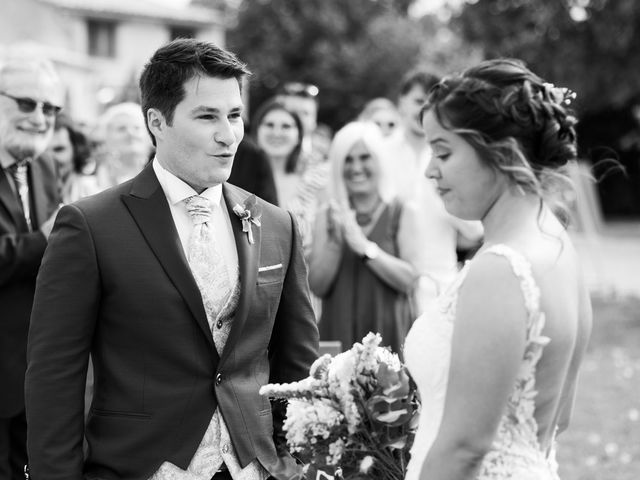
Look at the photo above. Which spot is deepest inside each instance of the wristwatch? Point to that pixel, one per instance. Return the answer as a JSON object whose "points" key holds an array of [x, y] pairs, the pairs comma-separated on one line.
{"points": [[371, 251]]}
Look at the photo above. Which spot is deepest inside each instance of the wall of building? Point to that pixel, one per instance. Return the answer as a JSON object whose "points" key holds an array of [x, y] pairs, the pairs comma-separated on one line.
{"points": [[35, 28]]}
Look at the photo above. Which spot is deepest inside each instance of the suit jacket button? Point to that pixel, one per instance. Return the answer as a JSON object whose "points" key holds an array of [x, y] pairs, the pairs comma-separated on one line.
{"points": [[218, 379], [219, 324], [225, 448]]}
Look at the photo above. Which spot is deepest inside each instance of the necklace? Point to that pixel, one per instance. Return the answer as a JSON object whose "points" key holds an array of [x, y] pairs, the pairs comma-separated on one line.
{"points": [[366, 217]]}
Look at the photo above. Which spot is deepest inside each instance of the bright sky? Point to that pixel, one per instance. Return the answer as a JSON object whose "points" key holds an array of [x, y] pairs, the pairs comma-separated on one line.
{"points": [[178, 3], [419, 8], [422, 7]]}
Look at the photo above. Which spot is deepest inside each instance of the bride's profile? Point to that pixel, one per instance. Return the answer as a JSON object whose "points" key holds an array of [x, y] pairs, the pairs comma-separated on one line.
{"points": [[497, 358]]}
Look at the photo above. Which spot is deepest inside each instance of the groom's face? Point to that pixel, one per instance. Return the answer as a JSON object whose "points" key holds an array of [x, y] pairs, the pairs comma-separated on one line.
{"points": [[200, 143]]}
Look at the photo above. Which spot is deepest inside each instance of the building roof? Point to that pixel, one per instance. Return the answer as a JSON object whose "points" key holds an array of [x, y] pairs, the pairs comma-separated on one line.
{"points": [[177, 13]]}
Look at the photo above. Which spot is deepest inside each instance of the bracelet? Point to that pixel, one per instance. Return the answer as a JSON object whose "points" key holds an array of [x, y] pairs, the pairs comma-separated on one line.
{"points": [[371, 251]]}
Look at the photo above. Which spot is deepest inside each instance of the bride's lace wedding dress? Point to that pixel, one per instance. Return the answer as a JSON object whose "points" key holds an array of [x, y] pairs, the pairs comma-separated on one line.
{"points": [[515, 452]]}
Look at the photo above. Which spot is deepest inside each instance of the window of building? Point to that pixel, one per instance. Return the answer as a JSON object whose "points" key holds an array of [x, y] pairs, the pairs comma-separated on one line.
{"points": [[181, 32], [102, 38]]}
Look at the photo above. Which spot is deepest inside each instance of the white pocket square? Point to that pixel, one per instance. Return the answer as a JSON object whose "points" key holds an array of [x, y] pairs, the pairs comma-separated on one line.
{"points": [[270, 267]]}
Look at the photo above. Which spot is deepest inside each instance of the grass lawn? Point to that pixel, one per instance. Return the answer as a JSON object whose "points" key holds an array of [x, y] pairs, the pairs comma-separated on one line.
{"points": [[603, 440]]}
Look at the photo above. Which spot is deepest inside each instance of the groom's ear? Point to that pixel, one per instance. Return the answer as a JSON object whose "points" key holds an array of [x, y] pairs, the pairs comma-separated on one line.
{"points": [[156, 122]]}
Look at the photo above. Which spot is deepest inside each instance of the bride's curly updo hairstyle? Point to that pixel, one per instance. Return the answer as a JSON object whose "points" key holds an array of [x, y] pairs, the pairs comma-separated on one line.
{"points": [[516, 122]]}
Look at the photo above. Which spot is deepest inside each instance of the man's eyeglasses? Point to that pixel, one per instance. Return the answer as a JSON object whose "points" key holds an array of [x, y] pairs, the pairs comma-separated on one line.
{"points": [[300, 89], [28, 105]]}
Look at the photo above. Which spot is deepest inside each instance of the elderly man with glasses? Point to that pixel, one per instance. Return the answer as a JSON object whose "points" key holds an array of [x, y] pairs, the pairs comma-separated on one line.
{"points": [[30, 98]]}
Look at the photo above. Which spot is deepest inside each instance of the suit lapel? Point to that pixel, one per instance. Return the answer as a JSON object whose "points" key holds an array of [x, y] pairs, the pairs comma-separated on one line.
{"points": [[148, 205], [248, 257], [10, 201], [37, 185]]}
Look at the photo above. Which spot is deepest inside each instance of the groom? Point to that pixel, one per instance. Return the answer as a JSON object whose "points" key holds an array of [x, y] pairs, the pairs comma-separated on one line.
{"points": [[186, 308]]}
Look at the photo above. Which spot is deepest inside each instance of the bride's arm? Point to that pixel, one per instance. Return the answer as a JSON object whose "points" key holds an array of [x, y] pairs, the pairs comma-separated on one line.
{"points": [[487, 348]]}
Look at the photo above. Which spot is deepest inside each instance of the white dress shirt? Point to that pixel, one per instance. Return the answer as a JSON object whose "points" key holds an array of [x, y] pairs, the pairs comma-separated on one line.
{"points": [[177, 191]]}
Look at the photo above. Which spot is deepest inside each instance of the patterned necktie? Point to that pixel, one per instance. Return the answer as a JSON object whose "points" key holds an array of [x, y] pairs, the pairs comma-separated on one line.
{"points": [[210, 272], [207, 264], [19, 174]]}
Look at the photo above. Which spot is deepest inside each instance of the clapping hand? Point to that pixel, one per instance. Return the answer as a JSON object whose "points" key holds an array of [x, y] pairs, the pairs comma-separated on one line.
{"points": [[334, 222], [353, 234]]}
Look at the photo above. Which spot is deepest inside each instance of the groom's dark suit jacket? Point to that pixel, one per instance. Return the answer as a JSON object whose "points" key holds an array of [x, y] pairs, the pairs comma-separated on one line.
{"points": [[115, 281]]}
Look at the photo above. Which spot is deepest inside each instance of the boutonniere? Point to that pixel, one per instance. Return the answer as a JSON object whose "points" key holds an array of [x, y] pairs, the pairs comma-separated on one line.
{"points": [[249, 213]]}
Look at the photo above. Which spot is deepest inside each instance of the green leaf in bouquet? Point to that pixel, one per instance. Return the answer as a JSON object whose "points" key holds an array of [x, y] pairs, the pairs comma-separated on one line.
{"points": [[415, 420], [398, 443], [393, 383], [393, 418], [389, 411]]}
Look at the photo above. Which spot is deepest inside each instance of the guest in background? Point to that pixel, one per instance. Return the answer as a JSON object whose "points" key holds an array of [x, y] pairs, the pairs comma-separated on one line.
{"points": [[302, 98], [321, 140], [368, 246], [71, 153], [124, 145], [383, 113], [252, 171], [409, 156], [300, 182], [30, 98]]}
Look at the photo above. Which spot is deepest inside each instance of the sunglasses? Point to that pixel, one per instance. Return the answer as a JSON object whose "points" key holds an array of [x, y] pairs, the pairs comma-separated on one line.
{"points": [[300, 89], [28, 105]]}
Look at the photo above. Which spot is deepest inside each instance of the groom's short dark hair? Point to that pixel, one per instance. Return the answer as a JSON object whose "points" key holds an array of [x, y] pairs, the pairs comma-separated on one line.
{"points": [[171, 66]]}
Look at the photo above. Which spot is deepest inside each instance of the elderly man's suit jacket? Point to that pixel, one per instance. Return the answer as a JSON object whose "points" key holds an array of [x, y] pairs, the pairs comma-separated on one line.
{"points": [[20, 255], [115, 281]]}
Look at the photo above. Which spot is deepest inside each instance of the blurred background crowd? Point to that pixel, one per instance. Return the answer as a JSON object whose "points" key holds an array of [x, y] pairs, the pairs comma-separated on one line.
{"points": [[333, 131]]}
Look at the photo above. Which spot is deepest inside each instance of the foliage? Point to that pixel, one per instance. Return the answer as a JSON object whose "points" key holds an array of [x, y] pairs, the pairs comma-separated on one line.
{"points": [[589, 46], [352, 50]]}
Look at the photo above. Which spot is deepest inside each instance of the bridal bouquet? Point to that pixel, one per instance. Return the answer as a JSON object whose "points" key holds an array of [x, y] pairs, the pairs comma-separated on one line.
{"points": [[354, 416]]}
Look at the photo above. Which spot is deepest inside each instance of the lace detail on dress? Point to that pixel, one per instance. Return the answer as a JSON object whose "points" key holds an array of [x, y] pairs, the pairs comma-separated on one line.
{"points": [[515, 452]]}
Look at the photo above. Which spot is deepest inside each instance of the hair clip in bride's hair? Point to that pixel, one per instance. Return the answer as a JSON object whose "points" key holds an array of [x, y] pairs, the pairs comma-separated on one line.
{"points": [[560, 95]]}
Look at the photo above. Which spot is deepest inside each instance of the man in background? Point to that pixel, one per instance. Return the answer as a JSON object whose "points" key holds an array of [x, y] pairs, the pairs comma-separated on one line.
{"points": [[409, 155], [30, 98]]}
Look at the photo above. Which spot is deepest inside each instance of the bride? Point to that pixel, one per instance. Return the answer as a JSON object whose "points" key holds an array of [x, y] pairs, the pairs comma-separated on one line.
{"points": [[496, 359]]}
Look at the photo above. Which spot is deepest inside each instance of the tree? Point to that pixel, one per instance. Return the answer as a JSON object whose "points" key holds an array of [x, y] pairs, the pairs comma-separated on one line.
{"points": [[590, 46], [352, 50]]}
